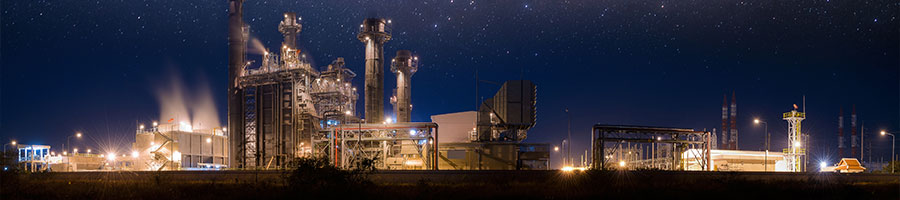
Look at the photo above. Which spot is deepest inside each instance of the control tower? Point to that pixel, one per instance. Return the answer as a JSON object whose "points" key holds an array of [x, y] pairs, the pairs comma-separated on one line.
{"points": [[795, 150], [374, 32], [290, 27], [404, 65]]}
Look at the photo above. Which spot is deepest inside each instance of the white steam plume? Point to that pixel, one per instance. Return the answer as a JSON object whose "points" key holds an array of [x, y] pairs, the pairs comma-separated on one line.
{"points": [[177, 104]]}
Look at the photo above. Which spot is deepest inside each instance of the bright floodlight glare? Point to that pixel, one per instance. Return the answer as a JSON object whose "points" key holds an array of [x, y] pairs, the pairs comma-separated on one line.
{"points": [[89, 150], [77, 134], [555, 148], [13, 142], [347, 112], [111, 156], [796, 144], [208, 140], [822, 165], [134, 154], [155, 124], [621, 163], [756, 121], [141, 126], [412, 132], [568, 169], [882, 132]]}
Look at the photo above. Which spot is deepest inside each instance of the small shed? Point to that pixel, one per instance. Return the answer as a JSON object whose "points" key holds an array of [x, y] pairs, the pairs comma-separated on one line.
{"points": [[849, 165]]}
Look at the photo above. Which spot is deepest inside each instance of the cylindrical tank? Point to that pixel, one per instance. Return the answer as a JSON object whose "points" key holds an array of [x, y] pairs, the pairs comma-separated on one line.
{"points": [[374, 32], [404, 65]]}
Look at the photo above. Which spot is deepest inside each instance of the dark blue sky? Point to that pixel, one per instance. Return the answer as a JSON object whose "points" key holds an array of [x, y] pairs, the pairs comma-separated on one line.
{"points": [[94, 66]]}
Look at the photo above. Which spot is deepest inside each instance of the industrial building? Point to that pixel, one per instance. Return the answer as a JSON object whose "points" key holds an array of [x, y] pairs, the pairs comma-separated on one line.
{"points": [[177, 146], [492, 137], [285, 108], [735, 160]]}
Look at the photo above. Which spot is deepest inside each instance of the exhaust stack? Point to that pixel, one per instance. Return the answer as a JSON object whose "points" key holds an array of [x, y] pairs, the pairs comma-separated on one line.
{"points": [[404, 65], [374, 32], [237, 46], [289, 27]]}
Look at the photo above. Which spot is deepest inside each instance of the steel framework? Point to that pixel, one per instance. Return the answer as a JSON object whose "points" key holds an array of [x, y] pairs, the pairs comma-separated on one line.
{"points": [[410, 146], [795, 150], [680, 139]]}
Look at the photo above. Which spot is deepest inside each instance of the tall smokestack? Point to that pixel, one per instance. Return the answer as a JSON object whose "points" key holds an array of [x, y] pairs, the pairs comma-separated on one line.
{"points": [[725, 141], [237, 45], [404, 65], [734, 131], [853, 136], [841, 133], [374, 32], [289, 28]]}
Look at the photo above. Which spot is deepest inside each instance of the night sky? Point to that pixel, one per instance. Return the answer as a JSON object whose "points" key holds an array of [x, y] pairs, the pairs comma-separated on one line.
{"points": [[95, 67]]}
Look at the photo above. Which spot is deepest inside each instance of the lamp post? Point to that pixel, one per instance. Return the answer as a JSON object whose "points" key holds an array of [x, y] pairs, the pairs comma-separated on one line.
{"points": [[77, 134], [565, 158], [569, 138], [13, 143], [893, 141], [766, 158]]}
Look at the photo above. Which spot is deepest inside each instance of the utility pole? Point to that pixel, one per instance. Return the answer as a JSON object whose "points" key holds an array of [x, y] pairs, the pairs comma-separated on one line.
{"points": [[569, 148], [862, 139]]}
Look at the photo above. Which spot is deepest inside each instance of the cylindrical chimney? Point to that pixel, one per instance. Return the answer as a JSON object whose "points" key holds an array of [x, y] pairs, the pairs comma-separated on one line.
{"points": [[374, 32], [289, 28], [236, 52], [404, 65]]}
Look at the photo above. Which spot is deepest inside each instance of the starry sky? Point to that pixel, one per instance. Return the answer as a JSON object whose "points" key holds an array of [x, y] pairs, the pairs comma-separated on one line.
{"points": [[93, 66]]}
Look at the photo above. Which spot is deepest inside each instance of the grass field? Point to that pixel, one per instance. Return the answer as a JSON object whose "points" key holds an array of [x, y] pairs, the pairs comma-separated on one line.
{"points": [[447, 185]]}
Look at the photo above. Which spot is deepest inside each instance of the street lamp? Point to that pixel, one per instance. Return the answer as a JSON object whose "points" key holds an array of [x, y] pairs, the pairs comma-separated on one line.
{"points": [[566, 157], [893, 140], [13, 143], [766, 159], [77, 134]]}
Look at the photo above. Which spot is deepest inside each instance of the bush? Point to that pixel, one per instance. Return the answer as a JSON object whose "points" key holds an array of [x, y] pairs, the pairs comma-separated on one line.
{"points": [[319, 177]]}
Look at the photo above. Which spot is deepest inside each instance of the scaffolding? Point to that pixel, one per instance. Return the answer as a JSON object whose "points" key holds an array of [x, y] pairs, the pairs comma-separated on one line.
{"points": [[624, 145], [400, 146], [795, 152]]}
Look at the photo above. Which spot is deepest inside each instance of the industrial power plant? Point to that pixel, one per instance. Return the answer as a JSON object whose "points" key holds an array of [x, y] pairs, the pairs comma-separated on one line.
{"points": [[282, 109]]}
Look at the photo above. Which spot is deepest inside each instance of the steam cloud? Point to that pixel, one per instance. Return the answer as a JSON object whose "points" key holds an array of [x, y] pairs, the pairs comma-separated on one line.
{"points": [[256, 47], [179, 104]]}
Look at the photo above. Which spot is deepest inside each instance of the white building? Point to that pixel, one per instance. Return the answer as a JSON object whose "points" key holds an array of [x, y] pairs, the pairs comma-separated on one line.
{"points": [[180, 147], [736, 160]]}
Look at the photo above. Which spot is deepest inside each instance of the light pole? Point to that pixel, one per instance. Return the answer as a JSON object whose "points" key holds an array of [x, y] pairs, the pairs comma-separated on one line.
{"points": [[565, 158], [766, 157], [569, 148], [77, 134], [893, 141], [13, 143]]}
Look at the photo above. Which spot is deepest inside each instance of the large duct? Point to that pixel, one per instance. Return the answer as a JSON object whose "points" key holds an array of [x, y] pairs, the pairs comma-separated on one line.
{"points": [[237, 42], [289, 27], [404, 65], [374, 32], [509, 114]]}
